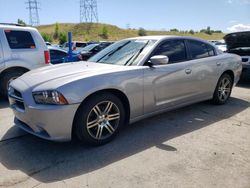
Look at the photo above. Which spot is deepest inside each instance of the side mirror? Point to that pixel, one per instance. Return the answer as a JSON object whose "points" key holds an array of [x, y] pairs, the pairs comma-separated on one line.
{"points": [[158, 60]]}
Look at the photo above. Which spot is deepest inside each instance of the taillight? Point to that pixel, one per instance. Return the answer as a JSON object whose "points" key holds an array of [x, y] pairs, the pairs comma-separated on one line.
{"points": [[46, 57]]}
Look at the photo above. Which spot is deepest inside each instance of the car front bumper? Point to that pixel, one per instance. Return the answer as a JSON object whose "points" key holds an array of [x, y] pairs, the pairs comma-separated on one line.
{"points": [[50, 122]]}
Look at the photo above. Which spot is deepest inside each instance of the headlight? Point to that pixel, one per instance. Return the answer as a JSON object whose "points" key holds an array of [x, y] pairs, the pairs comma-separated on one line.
{"points": [[49, 97]]}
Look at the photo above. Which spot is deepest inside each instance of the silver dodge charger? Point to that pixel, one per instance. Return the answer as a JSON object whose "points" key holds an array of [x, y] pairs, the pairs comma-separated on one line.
{"points": [[128, 81]]}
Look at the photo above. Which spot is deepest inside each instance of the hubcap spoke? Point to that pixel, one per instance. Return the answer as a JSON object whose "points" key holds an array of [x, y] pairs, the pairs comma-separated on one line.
{"points": [[97, 110], [108, 108], [113, 116], [92, 124], [109, 128], [99, 132]]}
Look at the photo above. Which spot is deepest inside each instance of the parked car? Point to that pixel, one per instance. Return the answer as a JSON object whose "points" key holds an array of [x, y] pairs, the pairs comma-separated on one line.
{"points": [[93, 49], [221, 45], [58, 55], [21, 49], [47, 43], [130, 80], [213, 41], [239, 43], [76, 45]]}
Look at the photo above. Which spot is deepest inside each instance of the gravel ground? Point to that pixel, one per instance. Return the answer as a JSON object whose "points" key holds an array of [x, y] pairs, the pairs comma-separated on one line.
{"points": [[201, 145]]}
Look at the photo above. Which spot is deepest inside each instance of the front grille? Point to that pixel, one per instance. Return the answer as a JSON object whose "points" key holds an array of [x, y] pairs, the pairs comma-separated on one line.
{"points": [[16, 100], [244, 60]]}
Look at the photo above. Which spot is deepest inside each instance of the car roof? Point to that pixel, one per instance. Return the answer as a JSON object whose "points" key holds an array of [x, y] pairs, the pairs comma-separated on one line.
{"points": [[17, 27], [56, 48], [163, 37]]}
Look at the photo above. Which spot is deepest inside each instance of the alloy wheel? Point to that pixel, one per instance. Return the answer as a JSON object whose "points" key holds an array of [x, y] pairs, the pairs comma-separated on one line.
{"points": [[224, 89], [103, 119]]}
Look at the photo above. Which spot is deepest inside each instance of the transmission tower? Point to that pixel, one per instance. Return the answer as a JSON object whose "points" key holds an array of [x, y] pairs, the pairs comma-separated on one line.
{"points": [[33, 12], [88, 11]]}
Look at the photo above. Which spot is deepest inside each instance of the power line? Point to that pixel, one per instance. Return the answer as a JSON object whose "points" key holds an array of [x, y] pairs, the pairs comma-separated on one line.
{"points": [[88, 11], [33, 7]]}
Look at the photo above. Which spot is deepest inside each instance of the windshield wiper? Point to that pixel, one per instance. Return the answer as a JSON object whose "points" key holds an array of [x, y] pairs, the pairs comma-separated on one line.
{"points": [[113, 51], [135, 55]]}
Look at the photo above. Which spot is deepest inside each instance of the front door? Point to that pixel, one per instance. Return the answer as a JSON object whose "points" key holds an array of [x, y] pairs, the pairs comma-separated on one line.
{"points": [[166, 85]]}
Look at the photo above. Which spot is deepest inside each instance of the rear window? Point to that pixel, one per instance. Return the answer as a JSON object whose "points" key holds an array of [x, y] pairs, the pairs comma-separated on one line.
{"points": [[20, 39], [200, 50], [80, 45]]}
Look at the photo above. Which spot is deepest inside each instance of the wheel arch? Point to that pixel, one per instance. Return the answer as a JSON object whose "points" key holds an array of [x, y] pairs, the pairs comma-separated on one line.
{"points": [[230, 73], [13, 69], [118, 93]]}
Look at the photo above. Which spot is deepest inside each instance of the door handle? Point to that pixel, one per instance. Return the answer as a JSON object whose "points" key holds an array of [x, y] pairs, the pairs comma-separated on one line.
{"points": [[218, 63], [188, 71]]}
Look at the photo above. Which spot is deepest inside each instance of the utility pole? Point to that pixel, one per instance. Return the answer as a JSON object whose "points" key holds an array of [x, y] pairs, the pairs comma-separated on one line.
{"points": [[33, 12], [88, 11]]}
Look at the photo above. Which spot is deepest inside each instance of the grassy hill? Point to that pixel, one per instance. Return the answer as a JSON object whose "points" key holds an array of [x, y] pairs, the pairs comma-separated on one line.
{"points": [[94, 31]]}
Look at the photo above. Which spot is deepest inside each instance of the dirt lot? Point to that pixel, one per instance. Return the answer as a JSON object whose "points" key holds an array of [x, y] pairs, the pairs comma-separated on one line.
{"points": [[197, 146]]}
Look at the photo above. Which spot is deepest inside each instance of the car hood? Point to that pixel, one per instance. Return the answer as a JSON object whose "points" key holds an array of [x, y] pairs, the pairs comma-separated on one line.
{"points": [[68, 72], [237, 40]]}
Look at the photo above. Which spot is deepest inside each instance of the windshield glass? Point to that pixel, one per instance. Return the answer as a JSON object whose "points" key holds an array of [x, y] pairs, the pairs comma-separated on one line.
{"points": [[126, 52], [89, 47]]}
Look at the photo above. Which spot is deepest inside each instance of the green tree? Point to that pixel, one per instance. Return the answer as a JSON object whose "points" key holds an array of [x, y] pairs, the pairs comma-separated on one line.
{"points": [[21, 22], [62, 38], [142, 32], [46, 37], [174, 30], [209, 30], [56, 33], [191, 31]]}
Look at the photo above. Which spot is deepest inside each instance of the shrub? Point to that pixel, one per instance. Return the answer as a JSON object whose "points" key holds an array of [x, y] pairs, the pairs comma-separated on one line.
{"points": [[104, 32], [46, 37], [142, 32], [56, 33], [62, 38]]}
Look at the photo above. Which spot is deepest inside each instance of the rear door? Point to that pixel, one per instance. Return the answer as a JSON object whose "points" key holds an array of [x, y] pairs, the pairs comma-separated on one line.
{"points": [[205, 67]]}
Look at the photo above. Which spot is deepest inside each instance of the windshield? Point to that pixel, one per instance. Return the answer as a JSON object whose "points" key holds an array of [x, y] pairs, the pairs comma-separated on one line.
{"points": [[126, 52], [89, 47]]}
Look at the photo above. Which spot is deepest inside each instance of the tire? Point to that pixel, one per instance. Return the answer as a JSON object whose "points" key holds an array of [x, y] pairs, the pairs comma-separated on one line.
{"points": [[99, 119], [223, 90], [6, 79]]}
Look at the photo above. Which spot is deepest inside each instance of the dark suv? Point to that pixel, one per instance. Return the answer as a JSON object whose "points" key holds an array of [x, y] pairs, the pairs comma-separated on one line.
{"points": [[239, 43]]}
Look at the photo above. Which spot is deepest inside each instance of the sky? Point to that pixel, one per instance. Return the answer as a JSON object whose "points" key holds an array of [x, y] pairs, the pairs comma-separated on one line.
{"points": [[225, 15]]}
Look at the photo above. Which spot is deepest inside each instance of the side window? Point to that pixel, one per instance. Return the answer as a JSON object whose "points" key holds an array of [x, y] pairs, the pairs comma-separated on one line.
{"points": [[80, 45], [199, 49], [174, 49], [20, 39], [57, 54]]}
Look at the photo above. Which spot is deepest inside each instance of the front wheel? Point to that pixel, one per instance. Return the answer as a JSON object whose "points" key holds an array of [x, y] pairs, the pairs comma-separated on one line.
{"points": [[7, 78], [99, 119], [223, 90]]}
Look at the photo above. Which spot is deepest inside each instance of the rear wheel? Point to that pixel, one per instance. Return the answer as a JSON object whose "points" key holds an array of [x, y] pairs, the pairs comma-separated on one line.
{"points": [[6, 79], [223, 90], [99, 119]]}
